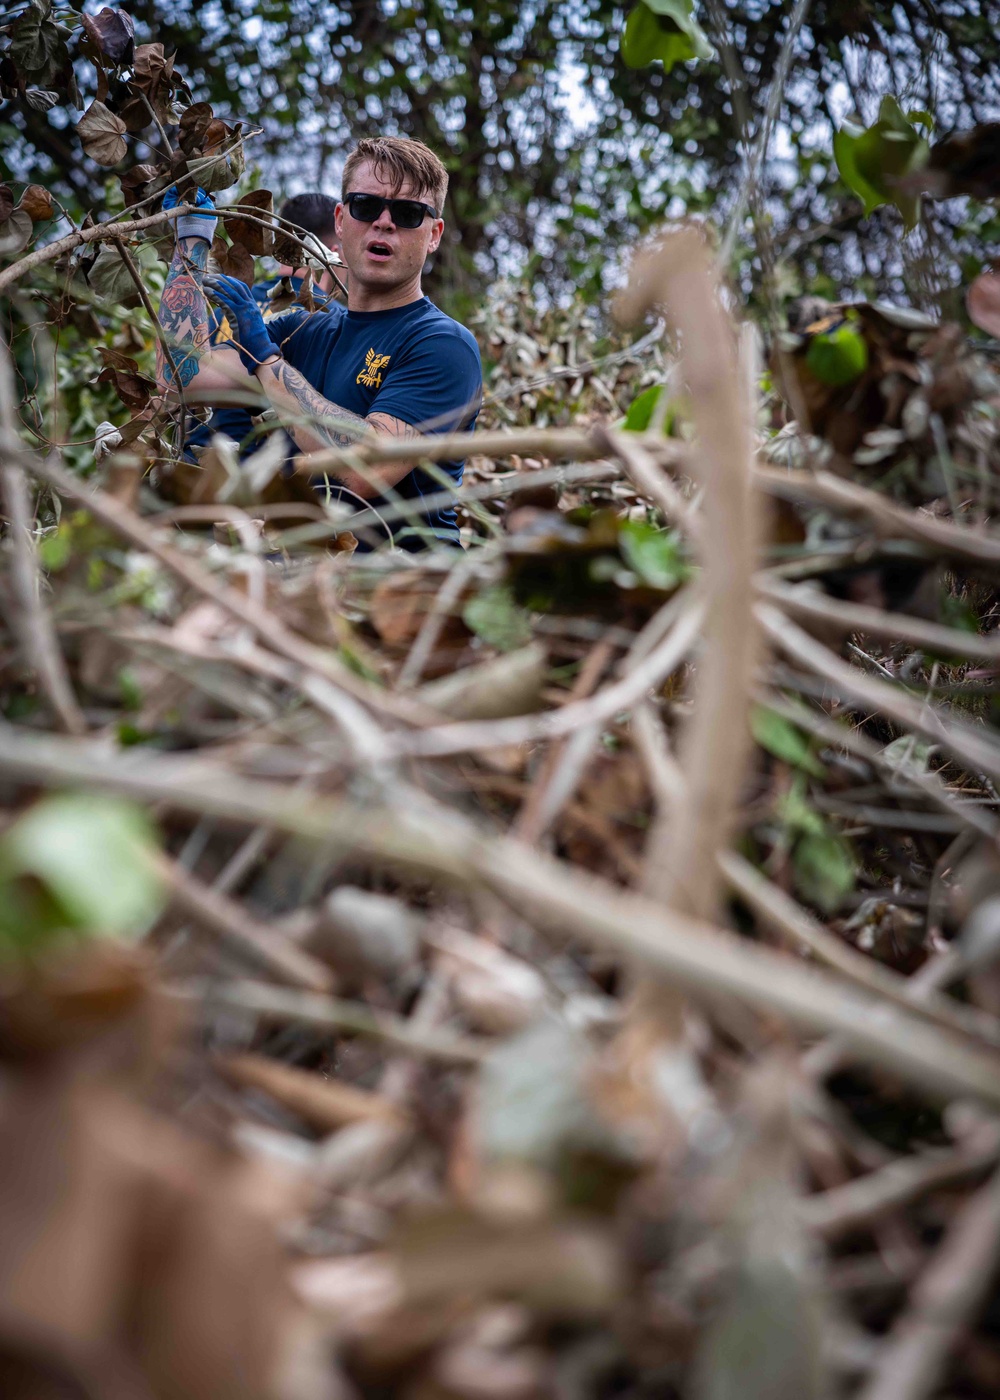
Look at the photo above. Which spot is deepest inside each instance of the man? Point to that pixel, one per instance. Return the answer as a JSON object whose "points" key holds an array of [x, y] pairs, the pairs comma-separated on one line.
{"points": [[311, 213], [387, 364]]}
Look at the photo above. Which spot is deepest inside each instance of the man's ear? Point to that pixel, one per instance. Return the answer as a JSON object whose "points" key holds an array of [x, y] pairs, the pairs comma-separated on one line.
{"points": [[338, 220], [436, 233]]}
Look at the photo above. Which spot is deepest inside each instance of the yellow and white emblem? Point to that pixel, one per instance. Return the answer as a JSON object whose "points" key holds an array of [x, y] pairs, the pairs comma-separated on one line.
{"points": [[371, 375]]}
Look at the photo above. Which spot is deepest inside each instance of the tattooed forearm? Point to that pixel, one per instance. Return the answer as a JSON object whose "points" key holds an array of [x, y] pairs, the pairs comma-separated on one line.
{"points": [[327, 424], [184, 315], [391, 427], [314, 422]]}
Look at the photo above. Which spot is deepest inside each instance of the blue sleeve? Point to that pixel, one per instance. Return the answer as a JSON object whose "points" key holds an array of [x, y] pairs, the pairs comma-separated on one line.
{"points": [[438, 385]]}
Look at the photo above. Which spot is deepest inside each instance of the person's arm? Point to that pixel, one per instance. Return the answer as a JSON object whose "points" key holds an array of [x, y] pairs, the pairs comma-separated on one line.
{"points": [[314, 422], [184, 316]]}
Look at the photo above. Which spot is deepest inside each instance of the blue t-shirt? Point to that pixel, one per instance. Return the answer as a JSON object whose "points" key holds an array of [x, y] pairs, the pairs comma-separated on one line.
{"points": [[414, 363]]}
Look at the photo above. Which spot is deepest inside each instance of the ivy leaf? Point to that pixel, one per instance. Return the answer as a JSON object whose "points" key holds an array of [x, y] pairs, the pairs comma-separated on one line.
{"points": [[90, 856], [874, 161], [784, 740], [494, 616], [112, 33], [664, 30], [824, 869], [102, 134], [256, 239]]}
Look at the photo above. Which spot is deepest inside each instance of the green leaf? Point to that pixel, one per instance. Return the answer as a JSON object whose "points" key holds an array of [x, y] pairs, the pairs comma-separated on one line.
{"points": [[653, 554], [824, 870], [494, 616], [54, 551], [839, 356], [796, 813], [78, 862], [664, 30], [782, 739], [873, 161], [641, 409]]}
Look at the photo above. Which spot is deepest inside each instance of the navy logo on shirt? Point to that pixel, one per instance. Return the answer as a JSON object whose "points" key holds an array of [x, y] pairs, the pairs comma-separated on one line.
{"points": [[371, 375]]}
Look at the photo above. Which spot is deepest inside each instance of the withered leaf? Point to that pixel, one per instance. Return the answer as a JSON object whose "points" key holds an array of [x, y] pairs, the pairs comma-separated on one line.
{"points": [[135, 181], [37, 203], [226, 169], [102, 134], [112, 33], [256, 239], [122, 373], [233, 260], [983, 300], [135, 114], [114, 359], [6, 202], [14, 233], [305, 297], [281, 296], [287, 250], [193, 126], [40, 99], [150, 62], [37, 46]]}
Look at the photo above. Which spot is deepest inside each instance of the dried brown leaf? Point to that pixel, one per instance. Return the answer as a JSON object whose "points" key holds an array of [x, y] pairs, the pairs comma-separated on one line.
{"points": [[983, 301], [194, 125], [257, 240], [233, 260], [37, 203], [102, 134], [122, 372], [112, 34]]}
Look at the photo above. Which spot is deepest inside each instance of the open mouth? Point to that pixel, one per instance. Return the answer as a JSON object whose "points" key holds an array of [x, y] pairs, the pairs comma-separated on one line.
{"points": [[379, 251]]}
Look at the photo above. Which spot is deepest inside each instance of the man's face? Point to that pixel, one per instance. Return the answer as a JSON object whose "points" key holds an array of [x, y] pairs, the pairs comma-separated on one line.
{"points": [[381, 256]]}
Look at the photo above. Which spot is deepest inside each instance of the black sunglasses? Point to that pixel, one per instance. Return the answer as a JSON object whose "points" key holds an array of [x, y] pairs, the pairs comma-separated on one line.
{"points": [[404, 213]]}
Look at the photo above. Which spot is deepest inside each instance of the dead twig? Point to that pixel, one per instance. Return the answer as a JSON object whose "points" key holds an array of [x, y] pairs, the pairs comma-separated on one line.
{"points": [[943, 1303]]}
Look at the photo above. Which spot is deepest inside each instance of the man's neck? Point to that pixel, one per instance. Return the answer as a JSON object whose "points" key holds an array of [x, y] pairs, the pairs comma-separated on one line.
{"points": [[376, 299]]}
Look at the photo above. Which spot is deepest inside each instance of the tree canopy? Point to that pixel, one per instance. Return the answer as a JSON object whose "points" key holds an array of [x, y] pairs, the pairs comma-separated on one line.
{"points": [[559, 152]]}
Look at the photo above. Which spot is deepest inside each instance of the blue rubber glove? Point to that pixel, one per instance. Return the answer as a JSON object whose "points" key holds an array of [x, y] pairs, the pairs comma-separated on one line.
{"points": [[200, 224], [251, 337]]}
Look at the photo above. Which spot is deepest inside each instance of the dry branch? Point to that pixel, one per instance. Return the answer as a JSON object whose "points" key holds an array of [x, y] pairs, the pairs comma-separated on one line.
{"points": [[422, 837], [943, 1303]]}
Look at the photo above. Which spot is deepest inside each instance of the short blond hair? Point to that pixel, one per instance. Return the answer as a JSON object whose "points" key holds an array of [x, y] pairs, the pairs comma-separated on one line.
{"points": [[398, 160]]}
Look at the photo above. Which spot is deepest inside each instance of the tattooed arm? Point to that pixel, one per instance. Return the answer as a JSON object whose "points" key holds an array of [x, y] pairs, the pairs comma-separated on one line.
{"points": [[314, 422], [184, 318]]}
